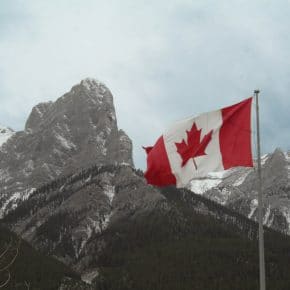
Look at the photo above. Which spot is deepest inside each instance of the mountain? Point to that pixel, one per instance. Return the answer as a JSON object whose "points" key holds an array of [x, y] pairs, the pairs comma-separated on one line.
{"points": [[70, 189], [63, 217], [237, 189], [193, 244], [120, 233], [76, 131]]}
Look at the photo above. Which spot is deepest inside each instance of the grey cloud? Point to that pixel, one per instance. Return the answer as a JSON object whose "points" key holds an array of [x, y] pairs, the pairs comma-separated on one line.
{"points": [[163, 60]]}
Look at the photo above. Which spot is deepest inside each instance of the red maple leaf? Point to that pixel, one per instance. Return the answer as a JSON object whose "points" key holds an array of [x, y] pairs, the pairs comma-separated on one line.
{"points": [[194, 147]]}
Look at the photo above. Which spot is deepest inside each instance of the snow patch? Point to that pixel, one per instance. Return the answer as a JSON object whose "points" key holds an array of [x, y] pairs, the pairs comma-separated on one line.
{"points": [[241, 179], [99, 225], [225, 194], [200, 186], [109, 191], [287, 156], [64, 142], [264, 158], [253, 207], [108, 130], [213, 179], [90, 276], [123, 163], [39, 112], [113, 116], [267, 215], [286, 214], [88, 179], [14, 200], [219, 174]]}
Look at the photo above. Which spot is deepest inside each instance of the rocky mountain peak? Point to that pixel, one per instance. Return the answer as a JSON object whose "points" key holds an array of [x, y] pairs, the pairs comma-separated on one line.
{"points": [[78, 130], [278, 153], [92, 84], [91, 91]]}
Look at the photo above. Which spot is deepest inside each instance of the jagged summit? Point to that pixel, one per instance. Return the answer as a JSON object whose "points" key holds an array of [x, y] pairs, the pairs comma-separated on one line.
{"points": [[76, 131], [91, 82], [89, 93], [91, 89]]}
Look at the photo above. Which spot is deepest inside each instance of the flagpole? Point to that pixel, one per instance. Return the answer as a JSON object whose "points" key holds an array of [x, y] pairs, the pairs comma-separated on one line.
{"points": [[260, 200]]}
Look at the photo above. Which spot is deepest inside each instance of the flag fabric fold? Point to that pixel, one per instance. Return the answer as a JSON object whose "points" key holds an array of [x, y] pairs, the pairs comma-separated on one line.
{"points": [[193, 147]]}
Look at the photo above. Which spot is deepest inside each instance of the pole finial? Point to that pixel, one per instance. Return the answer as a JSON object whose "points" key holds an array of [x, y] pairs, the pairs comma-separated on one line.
{"points": [[256, 91]]}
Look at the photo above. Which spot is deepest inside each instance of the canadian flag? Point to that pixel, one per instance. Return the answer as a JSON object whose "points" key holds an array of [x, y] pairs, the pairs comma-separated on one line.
{"points": [[195, 146]]}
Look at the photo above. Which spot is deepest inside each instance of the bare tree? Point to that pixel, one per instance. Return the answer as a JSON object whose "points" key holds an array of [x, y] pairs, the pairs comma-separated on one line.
{"points": [[27, 285], [7, 258]]}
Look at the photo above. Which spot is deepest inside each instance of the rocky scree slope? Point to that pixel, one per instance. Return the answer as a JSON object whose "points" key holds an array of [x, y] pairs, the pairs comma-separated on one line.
{"points": [[76, 131]]}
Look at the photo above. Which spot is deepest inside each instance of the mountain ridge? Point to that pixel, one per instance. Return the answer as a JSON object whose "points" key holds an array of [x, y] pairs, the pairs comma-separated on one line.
{"points": [[76, 131], [237, 189]]}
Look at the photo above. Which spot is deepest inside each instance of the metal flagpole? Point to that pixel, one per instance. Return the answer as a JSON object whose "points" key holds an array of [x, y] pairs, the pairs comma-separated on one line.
{"points": [[260, 200]]}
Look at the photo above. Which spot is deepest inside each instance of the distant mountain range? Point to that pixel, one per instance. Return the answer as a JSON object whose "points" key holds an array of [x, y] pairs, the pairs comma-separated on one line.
{"points": [[237, 189], [69, 188]]}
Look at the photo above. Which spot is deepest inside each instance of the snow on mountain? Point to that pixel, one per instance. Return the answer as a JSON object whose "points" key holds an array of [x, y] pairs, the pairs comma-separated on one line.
{"points": [[203, 185], [5, 134], [287, 156], [237, 189], [234, 175]]}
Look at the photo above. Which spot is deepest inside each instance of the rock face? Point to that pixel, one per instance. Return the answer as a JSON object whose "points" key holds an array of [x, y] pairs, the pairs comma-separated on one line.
{"points": [[76, 131], [237, 189]]}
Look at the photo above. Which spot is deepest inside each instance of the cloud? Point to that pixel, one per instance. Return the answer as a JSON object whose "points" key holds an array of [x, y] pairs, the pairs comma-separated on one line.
{"points": [[163, 60]]}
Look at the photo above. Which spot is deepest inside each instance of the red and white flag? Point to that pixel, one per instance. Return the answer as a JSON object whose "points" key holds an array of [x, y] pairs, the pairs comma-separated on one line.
{"points": [[193, 147]]}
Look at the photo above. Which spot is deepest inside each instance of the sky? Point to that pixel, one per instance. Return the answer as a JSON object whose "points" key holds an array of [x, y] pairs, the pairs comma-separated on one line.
{"points": [[162, 60]]}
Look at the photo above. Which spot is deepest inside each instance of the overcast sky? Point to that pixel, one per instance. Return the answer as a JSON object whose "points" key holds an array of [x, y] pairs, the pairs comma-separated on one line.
{"points": [[162, 60]]}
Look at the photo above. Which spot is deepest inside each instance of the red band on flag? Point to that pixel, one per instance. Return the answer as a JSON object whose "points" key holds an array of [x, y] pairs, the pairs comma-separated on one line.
{"points": [[158, 167], [235, 135]]}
